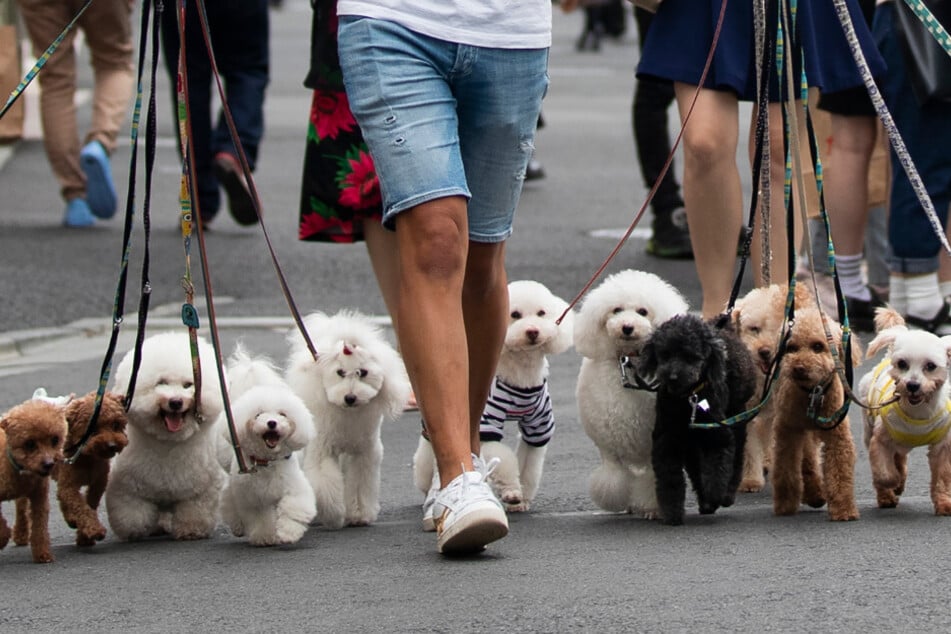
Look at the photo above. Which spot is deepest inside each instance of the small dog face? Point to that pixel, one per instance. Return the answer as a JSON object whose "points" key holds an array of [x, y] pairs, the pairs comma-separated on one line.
{"points": [[35, 432], [683, 353], [272, 422], [533, 311], [919, 359], [619, 315], [808, 359], [351, 376], [110, 436], [758, 319]]}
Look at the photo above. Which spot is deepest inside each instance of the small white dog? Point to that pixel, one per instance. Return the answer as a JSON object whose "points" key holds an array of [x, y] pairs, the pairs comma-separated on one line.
{"points": [[519, 393], [611, 328], [168, 478], [273, 503], [357, 381], [911, 400]]}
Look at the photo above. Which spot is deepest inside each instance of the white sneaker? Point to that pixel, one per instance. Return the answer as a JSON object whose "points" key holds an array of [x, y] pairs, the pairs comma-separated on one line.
{"points": [[467, 515], [428, 524]]}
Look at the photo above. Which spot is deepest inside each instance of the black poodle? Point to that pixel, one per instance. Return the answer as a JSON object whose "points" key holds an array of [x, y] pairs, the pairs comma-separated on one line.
{"points": [[704, 375]]}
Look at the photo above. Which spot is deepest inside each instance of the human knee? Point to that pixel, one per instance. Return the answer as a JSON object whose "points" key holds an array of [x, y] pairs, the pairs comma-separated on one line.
{"points": [[437, 245]]}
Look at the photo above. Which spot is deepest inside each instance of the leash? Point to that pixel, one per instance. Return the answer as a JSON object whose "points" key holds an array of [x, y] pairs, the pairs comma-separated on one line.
{"points": [[663, 172], [119, 302], [41, 61]]}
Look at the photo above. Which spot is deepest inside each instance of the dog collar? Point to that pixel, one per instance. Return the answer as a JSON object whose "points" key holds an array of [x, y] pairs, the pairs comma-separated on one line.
{"points": [[265, 462], [903, 429], [16, 465]]}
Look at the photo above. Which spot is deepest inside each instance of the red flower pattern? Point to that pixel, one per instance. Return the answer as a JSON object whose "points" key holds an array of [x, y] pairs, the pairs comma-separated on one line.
{"points": [[330, 114]]}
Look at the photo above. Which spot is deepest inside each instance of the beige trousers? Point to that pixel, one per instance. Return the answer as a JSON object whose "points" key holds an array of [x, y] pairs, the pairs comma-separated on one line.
{"points": [[107, 28]]}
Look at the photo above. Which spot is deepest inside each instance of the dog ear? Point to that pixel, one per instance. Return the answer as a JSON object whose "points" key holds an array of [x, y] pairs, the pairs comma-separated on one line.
{"points": [[884, 339], [946, 341], [647, 359], [78, 413]]}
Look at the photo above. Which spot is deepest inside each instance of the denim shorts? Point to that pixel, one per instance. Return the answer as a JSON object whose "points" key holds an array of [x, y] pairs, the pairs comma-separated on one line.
{"points": [[444, 119]]}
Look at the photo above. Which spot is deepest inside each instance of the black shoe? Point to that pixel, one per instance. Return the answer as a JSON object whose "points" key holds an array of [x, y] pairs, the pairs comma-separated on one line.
{"points": [[534, 171], [229, 174], [939, 325], [862, 313], [670, 237]]}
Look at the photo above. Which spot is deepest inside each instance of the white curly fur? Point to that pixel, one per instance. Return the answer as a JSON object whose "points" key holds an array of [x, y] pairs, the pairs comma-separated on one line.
{"points": [[274, 502], [357, 382], [168, 478], [615, 320]]}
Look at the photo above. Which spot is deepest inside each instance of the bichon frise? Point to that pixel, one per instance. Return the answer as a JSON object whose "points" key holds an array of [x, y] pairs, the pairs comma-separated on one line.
{"points": [[356, 382], [910, 406], [614, 323], [519, 393], [168, 479], [273, 503]]}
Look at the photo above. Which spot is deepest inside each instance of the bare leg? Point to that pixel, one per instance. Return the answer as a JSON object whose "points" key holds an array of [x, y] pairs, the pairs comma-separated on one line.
{"points": [[381, 246], [711, 186], [846, 192], [433, 242]]}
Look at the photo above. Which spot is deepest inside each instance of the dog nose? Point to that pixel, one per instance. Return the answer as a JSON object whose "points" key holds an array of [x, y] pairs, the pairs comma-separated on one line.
{"points": [[912, 386], [532, 335], [764, 353], [272, 424], [175, 404], [349, 399], [47, 465], [627, 330]]}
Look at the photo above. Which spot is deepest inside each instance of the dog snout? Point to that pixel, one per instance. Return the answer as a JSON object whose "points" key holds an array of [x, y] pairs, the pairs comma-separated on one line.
{"points": [[272, 424], [175, 404], [47, 465], [350, 399], [532, 334], [765, 353], [627, 329], [912, 386]]}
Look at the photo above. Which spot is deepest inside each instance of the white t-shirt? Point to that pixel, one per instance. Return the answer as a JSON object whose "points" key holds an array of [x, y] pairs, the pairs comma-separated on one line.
{"points": [[487, 23]]}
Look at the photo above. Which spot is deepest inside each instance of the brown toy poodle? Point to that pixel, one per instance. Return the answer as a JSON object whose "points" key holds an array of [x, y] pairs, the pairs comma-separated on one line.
{"points": [[91, 468], [31, 440]]}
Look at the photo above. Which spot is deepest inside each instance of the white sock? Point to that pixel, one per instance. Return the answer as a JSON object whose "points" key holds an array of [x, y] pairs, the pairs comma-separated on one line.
{"points": [[922, 295], [849, 268], [945, 289], [897, 298]]}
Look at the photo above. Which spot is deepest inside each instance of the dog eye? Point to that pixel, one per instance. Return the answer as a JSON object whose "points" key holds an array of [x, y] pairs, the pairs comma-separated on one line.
{"points": [[54, 441], [341, 373], [29, 445], [930, 367], [755, 330], [642, 312], [116, 426], [187, 385], [162, 382], [818, 347], [541, 313], [902, 365], [363, 373], [617, 310], [516, 314]]}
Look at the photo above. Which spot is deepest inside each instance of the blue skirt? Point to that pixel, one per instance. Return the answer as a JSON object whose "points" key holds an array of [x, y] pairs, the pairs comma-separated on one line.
{"points": [[680, 36]]}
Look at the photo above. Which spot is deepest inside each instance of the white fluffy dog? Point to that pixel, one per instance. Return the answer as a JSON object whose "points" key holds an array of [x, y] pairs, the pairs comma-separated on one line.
{"points": [[357, 381], [614, 322], [519, 393], [911, 400], [168, 478], [273, 503]]}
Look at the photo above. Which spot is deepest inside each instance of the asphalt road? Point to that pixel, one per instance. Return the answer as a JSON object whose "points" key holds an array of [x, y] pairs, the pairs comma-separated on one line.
{"points": [[565, 566]]}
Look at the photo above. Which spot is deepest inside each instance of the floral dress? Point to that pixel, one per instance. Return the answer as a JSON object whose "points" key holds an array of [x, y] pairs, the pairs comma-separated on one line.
{"points": [[339, 189]]}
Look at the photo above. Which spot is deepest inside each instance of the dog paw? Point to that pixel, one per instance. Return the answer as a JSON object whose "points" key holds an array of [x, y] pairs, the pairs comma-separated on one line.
{"points": [[189, 535], [848, 514], [91, 536], [886, 499], [520, 507], [358, 521], [752, 485], [647, 515], [43, 557], [815, 501], [511, 496], [783, 509], [942, 508]]}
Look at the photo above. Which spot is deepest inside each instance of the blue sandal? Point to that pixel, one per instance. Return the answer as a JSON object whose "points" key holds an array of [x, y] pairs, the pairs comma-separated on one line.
{"points": [[100, 190]]}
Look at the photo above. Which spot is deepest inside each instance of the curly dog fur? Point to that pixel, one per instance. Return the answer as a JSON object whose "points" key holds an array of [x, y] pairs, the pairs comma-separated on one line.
{"points": [[702, 373], [615, 321], [807, 364], [31, 444], [91, 468]]}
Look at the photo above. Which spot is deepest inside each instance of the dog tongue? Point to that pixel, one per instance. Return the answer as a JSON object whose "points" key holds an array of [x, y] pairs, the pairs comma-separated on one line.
{"points": [[174, 421]]}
